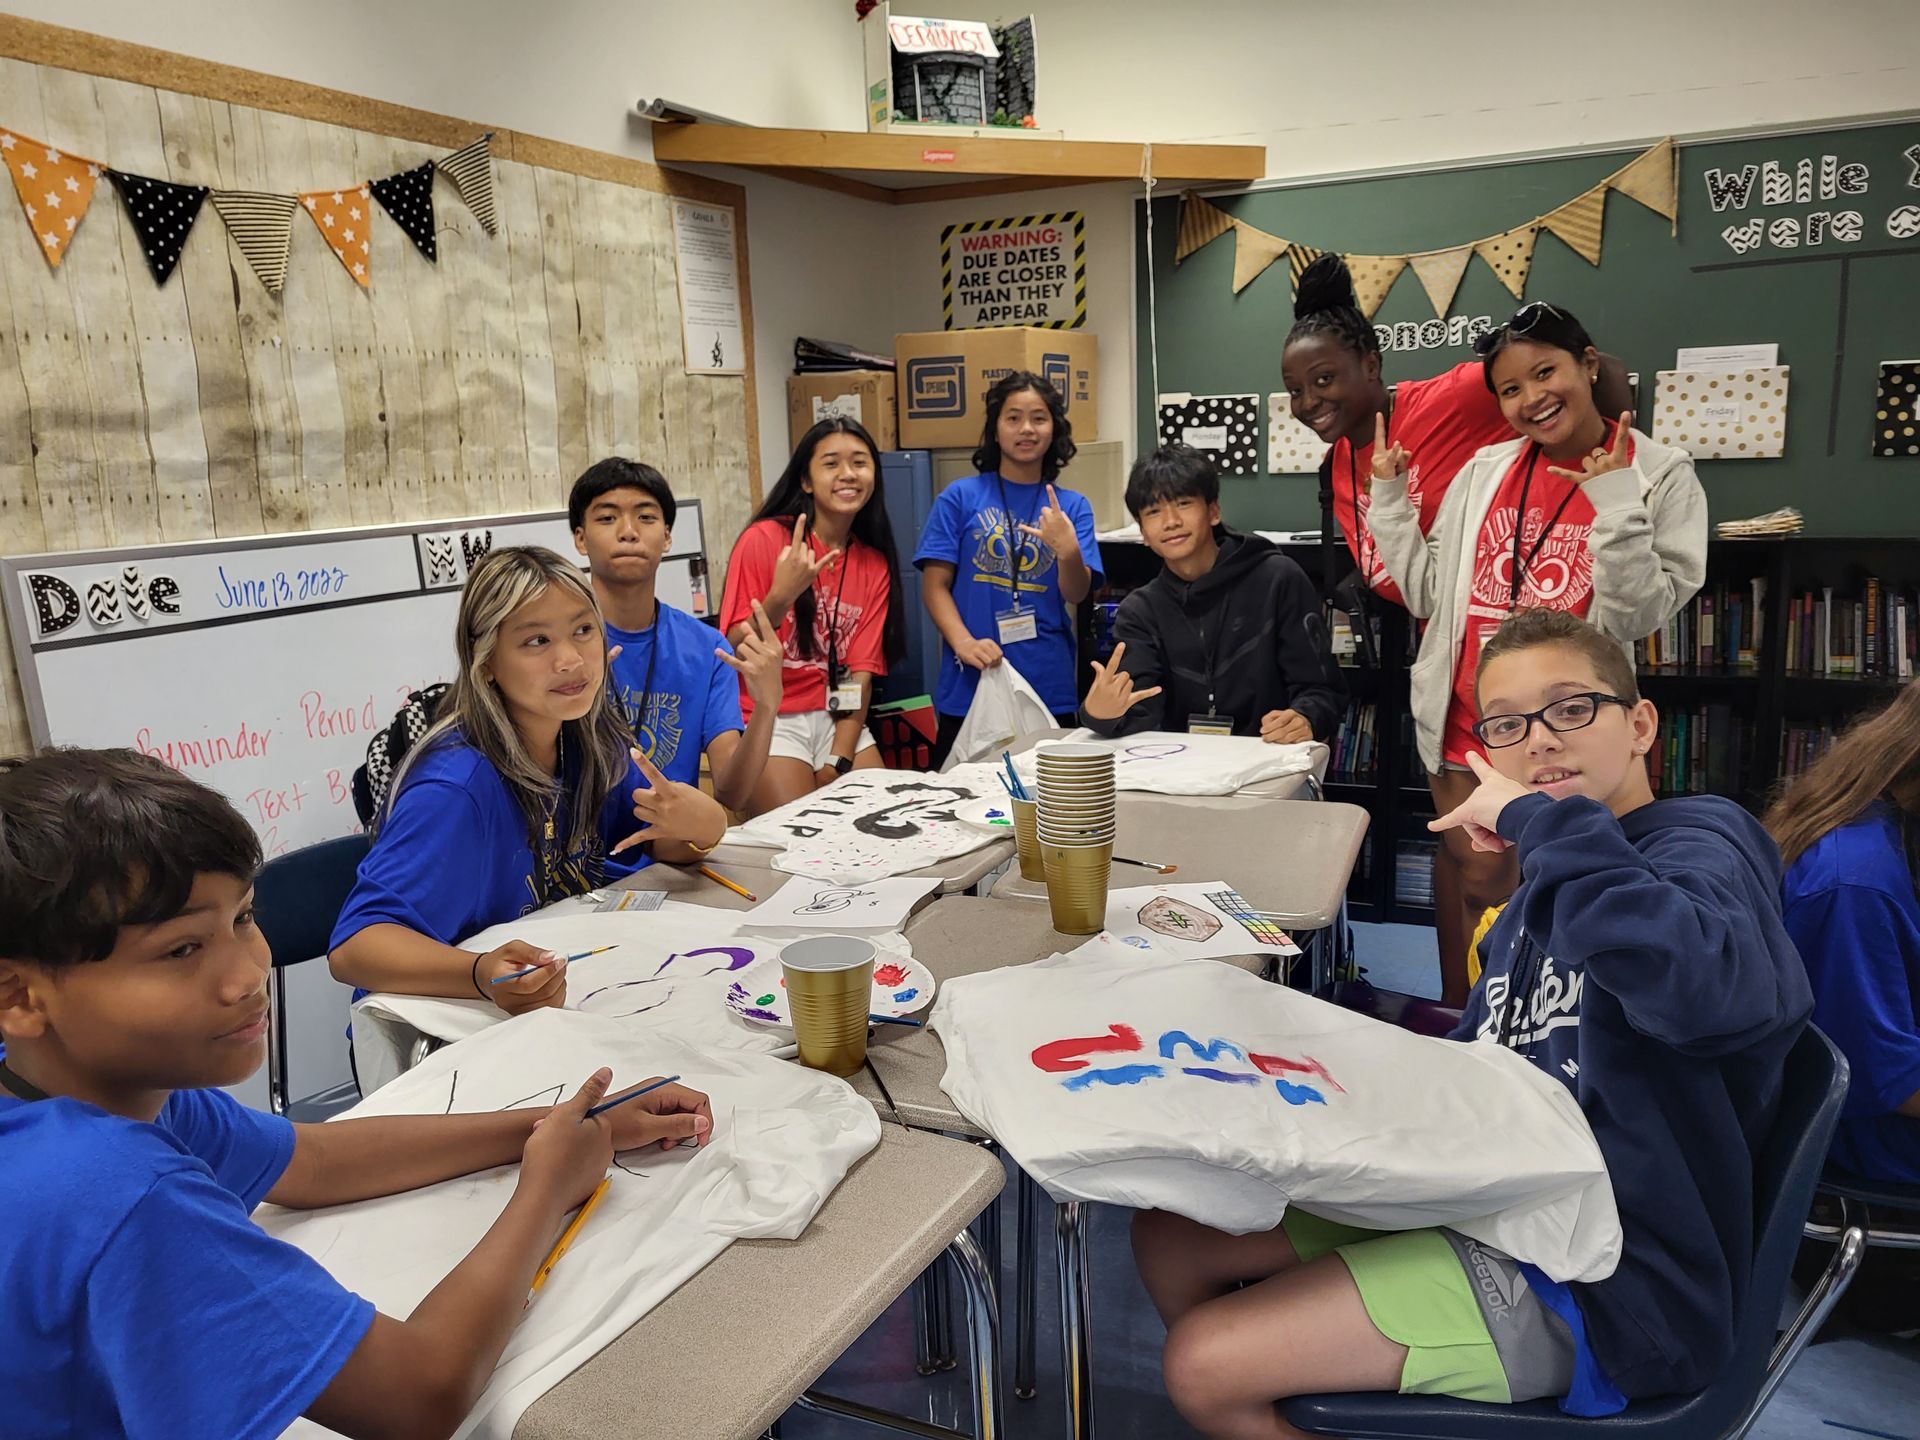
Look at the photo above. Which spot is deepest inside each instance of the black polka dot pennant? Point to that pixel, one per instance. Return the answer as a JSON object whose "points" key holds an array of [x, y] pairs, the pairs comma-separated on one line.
{"points": [[408, 199], [161, 214]]}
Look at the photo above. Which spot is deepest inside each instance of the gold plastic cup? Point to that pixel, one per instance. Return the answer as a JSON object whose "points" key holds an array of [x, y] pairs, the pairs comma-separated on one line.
{"points": [[829, 996], [1077, 886], [1025, 842]]}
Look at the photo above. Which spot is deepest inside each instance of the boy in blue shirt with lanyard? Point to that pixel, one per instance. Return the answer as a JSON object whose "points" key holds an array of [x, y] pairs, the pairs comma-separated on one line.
{"points": [[1005, 552], [141, 1298], [678, 680]]}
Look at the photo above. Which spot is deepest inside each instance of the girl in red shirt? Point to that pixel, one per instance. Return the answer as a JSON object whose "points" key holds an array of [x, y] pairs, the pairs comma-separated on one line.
{"points": [[818, 559]]}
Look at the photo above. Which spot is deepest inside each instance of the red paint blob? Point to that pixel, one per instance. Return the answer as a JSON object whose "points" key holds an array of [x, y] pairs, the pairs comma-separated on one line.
{"points": [[889, 975]]}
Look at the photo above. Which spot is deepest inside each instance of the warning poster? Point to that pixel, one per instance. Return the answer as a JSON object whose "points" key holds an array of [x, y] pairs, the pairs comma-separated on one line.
{"points": [[1021, 270]]}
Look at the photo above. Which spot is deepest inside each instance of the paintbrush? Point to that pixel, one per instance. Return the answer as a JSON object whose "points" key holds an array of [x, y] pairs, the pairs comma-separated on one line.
{"points": [[630, 1095], [577, 955], [1146, 864], [894, 1020]]}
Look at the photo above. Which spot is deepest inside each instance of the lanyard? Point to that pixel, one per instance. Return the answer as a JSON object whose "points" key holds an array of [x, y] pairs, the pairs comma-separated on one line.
{"points": [[646, 686], [25, 1089], [1016, 549], [833, 624], [1518, 578]]}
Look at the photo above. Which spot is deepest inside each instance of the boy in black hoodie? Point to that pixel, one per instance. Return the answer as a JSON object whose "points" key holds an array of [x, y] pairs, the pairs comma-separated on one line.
{"points": [[1227, 638], [1643, 964]]}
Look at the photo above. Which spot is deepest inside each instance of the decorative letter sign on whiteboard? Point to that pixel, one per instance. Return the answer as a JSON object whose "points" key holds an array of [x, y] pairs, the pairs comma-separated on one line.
{"points": [[263, 666]]}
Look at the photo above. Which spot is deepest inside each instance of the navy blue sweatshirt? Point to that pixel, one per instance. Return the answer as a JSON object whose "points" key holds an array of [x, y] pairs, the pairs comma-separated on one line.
{"points": [[1656, 981]]}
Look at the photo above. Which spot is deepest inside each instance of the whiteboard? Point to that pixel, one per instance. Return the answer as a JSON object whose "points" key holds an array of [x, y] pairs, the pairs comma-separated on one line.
{"points": [[263, 666]]}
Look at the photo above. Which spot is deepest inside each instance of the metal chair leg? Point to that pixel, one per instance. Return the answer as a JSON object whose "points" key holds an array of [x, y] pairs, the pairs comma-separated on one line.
{"points": [[1076, 1370], [983, 1329], [1025, 1281], [1820, 1301], [944, 1357], [923, 1358]]}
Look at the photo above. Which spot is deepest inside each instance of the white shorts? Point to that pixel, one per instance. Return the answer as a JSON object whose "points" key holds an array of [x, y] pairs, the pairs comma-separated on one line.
{"points": [[809, 738]]}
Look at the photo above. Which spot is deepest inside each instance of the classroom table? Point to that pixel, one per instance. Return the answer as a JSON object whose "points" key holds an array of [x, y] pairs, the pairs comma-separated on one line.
{"points": [[1281, 787], [729, 1351], [1290, 859]]}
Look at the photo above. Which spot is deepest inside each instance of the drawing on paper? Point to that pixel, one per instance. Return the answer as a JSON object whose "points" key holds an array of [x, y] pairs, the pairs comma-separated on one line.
{"points": [[832, 901], [1178, 920], [1232, 904], [1070, 1058], [1153, 750]]}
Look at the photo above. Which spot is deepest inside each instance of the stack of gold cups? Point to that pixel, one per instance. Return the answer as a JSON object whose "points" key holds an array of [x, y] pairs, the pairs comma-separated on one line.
{"points": [[1074, 825]]}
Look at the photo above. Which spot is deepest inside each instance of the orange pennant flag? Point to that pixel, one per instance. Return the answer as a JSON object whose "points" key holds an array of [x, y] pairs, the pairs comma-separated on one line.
{"points": [[345, 219], [55, 190]]}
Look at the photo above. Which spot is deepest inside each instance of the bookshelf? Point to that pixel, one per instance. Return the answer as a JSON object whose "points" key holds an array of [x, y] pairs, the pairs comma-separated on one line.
{"points": [[1740, 709]]}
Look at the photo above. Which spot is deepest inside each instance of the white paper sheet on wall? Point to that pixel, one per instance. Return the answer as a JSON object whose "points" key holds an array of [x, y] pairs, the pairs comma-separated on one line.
{"points": [[1723, 415]]}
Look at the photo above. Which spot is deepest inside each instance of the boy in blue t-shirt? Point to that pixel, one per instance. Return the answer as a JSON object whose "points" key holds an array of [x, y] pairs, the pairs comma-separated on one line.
{"points": [[1005, 552], [141, 1299], [677, 678]]}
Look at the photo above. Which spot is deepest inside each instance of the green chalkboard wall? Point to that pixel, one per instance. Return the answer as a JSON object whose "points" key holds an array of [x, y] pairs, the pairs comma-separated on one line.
{"points": [[1836, 309]]}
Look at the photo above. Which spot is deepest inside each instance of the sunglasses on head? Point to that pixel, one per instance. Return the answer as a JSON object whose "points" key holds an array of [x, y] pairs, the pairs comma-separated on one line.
{"points": [[1524, 320]]}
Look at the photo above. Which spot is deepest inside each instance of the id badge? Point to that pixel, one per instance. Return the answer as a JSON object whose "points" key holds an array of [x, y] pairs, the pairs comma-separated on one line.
{"points": [[1018, 624], [1210, 724], [844, 698]]}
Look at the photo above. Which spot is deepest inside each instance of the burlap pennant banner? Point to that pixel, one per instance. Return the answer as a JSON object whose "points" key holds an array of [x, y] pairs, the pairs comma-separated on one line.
{"points": [[1440, 272], [1199, 224], [1253, 251], [1579, 222], [1373, 277], [1510, 257], [1653, 179]]}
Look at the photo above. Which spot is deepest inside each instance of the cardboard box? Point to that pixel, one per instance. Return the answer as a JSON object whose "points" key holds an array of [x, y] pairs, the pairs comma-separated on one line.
{"points": [[863, 395], [945, 375]]}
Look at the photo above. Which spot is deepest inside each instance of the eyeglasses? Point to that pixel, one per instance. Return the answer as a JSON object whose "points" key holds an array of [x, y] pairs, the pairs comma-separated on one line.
{"points": [[1523, 322], [1569, 712]]}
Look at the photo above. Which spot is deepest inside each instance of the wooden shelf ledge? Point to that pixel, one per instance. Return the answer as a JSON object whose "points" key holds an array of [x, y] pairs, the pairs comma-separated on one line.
{"points": [[909, 169]]}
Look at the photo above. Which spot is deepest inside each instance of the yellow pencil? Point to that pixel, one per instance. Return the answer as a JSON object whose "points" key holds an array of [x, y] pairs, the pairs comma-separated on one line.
{"points": [[718, 878], [566, 1237]]}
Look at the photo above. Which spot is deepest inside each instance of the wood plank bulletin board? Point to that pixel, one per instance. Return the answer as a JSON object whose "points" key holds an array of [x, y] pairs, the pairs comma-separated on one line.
{"points": [[134, 414]]}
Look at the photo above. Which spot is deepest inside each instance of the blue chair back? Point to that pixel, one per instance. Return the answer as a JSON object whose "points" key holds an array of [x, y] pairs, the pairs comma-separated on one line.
{"points": [[296, 899], [1785, 1173], [298, 896]]}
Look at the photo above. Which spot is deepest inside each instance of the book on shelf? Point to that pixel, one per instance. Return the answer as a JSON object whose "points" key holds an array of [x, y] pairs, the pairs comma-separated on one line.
{"points": [[1354, 749], [1721, 628], [1873, 635], [1801, 745], [1413, 872], [1702, 750]]}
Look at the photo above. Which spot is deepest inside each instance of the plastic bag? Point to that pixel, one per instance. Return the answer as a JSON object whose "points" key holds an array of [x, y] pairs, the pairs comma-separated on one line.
{"points": [[1005, 709]]}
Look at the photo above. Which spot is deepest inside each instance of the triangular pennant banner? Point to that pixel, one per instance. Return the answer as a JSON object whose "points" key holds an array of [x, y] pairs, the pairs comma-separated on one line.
{"points": [[55, 190], [1440, 272], [1298, 258], [1650, 180], [471, 170], [1373, 277], [1253, 251], [1510, 256], [1200, 223], [344, 219], [161, 214], [408, 198], [1578, 222], [262, 226]]}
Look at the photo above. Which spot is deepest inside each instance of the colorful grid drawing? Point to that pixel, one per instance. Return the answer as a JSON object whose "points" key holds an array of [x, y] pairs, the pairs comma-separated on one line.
{"points": [[1232, 904]]}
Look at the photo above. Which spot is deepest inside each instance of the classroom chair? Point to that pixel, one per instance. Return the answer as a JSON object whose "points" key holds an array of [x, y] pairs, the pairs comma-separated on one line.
{"points": [[297, 897], [1788, 1169]]}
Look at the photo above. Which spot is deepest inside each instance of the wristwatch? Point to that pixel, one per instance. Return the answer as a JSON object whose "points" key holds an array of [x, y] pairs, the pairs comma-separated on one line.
{"points": [[841, 764]]}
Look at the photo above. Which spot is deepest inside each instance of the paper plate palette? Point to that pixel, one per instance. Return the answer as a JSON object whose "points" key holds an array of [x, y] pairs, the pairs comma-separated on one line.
{"points": [[901, 985], [995, 815]]}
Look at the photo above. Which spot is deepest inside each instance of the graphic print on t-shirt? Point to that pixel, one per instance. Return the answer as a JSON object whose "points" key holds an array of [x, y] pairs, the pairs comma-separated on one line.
{"points": [[658, 732], [833, 621], [996, 536]]}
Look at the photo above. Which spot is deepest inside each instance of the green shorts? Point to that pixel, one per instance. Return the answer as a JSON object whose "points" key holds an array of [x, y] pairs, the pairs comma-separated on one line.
{"points": [[1473, 1327]]}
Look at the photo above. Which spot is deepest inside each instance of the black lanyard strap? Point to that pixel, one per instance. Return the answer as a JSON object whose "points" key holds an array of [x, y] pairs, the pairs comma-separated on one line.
{"points": [[23, 1088], [1016, 548], [646, 687], [1518, 578], [833, 622]]}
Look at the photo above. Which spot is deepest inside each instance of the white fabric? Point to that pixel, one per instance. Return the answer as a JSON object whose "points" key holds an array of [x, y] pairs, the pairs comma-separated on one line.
{"points": [[1005, 711], [1350, 1118], [808, 737], [1649, 545], [809, 907], [783, 1138], [1206, 920], [1166, 762], [669, 975], [873, 823]]}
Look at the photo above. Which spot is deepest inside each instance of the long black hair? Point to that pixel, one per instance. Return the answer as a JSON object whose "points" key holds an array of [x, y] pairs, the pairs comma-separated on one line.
{"points": [[987, 457], [1324, 304], [789, 498], [1540, 323]]}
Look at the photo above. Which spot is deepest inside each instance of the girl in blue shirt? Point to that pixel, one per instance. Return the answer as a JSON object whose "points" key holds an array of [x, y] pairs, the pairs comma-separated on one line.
{"points": [[1005, 552], [1849, 831], [524, 792]]}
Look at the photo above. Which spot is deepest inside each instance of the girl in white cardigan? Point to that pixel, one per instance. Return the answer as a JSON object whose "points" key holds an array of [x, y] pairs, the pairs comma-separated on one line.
{"points": [[1577, 514]]}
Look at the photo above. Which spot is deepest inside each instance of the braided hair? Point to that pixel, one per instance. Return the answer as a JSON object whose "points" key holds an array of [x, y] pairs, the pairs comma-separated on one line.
{"points": [[1324, 304]]}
